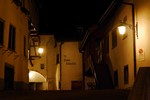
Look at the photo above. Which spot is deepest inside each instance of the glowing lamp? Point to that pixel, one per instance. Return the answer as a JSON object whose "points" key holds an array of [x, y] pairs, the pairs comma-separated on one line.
{"points": [[122, 29], [40, 50]]}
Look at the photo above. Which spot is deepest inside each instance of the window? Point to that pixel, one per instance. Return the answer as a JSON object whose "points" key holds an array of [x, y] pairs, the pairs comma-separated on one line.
{"points": [[1, 32], [57, 59], [116, 78], [25, 47], [76, 85], [42, 66], [114, 38], [12, 34], [106, 44], [126, 74]]}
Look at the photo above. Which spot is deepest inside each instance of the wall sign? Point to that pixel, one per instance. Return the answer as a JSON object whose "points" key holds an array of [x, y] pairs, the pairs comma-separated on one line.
{"points": [[68, 61], [141, 56]]}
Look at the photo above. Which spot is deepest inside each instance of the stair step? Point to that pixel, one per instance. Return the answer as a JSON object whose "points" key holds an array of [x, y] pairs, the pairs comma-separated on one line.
{"points": [[66, 94]]}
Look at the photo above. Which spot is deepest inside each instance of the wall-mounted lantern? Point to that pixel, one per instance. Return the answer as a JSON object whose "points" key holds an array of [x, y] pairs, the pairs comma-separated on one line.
{"points": [[123, 27], [40, 50]]}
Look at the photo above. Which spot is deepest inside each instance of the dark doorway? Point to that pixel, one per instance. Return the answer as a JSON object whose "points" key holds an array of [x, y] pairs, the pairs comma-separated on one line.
{"points": [[76, 85], [9, 78]]}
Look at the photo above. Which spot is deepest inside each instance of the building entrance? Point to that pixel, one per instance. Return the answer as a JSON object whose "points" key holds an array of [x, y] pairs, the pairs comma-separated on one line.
{"points": [[8, 78]]}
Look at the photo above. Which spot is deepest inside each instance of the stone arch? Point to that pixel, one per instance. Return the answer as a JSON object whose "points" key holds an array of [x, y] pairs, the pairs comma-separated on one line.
{"points": [[35, 76]]}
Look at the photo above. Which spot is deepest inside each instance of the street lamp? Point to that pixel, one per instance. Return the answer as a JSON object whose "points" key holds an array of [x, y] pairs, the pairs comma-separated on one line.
{"points": [[40, 50], [122, 29]]}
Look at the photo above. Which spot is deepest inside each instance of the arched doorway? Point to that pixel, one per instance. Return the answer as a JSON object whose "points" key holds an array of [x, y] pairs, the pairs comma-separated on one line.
{"points": [[36, 81]]}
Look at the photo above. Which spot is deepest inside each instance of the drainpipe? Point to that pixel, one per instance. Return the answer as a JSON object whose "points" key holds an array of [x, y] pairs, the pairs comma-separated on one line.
{"points": [[83, 70], [60, 65], [134, 34], [47, 44]]}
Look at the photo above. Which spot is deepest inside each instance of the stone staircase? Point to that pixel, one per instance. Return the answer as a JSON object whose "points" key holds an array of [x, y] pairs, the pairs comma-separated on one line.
{"points": [[139, 91], [66, 94], [141, 87]]}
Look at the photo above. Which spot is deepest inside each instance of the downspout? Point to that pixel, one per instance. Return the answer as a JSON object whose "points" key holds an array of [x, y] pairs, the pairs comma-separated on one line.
{"points": [[48, 42], [83, 69], [60, 65]]}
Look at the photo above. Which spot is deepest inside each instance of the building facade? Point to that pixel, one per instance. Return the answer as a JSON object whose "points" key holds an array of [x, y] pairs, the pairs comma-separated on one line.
{"points": [[123, 54], [59, 67], [71, 66], [14, 25]]}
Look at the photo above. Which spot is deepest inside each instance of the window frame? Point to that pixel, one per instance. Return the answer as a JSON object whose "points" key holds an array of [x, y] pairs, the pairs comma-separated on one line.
{"points": [[106, 44], [126, 74], [114, 38], [2, 22], [12, 38], [42, 66], [24, 46], [116, 78]]}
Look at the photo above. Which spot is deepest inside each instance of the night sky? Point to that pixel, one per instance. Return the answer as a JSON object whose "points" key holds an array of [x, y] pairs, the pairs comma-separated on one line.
{"points": [[69, 20]]}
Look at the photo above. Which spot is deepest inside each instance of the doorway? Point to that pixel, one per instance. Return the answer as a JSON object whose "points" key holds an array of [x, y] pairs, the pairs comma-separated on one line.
{"points": [[76, 85], [8, 77]]}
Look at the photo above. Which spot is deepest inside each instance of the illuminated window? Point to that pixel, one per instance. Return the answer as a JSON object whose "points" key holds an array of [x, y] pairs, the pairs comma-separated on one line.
{"points": [[12, 34], [1, 32]]}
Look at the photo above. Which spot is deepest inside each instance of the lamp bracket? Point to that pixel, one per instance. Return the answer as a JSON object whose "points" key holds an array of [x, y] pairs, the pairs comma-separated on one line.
{"points": [[133, 27]]}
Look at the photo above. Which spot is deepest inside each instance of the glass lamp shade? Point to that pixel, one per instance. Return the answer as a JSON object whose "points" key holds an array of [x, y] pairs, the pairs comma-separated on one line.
{"points": [[40, 50], [122, 29]]}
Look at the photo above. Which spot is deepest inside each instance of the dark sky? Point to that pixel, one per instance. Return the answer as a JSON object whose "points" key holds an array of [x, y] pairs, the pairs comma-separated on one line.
{"points": [[66, 19]]}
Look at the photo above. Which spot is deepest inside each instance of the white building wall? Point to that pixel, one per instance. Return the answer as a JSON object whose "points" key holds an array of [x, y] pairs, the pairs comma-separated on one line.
{"points": [[53, 71], [71, 64], [142, 16], [48, 57], [122, 54], [11, 14]]}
